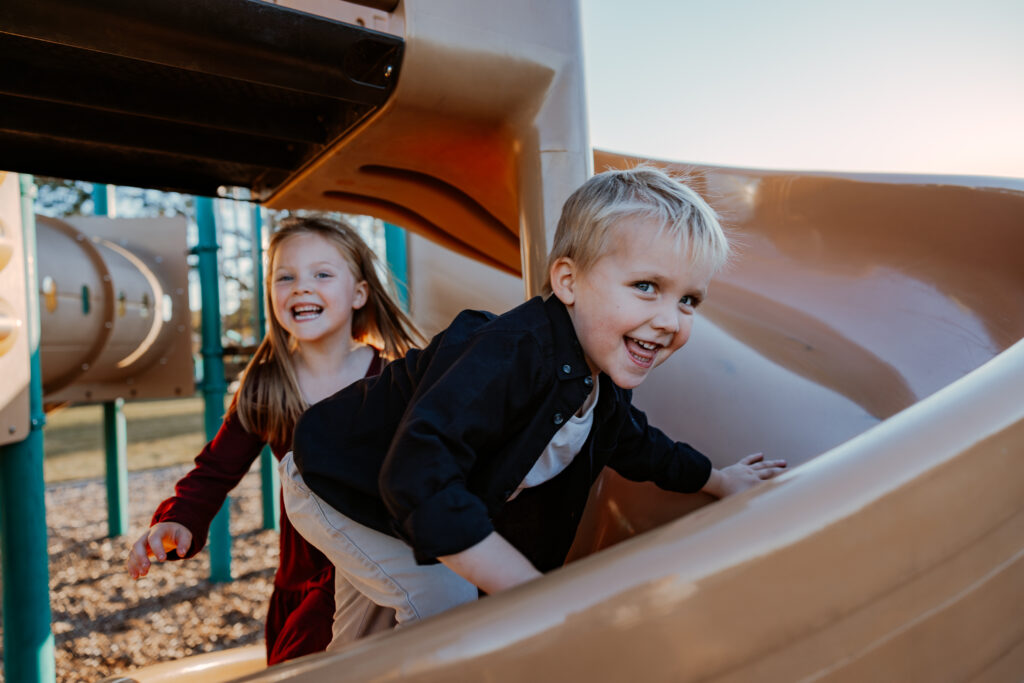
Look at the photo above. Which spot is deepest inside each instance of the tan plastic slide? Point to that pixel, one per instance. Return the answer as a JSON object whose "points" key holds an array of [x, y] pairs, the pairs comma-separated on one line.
{"points": [[870, 332], [876, 319]]}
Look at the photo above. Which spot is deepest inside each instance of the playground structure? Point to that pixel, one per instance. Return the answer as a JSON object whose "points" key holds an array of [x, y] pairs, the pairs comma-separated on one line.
{"points": [[870, 333], [114, 316]]}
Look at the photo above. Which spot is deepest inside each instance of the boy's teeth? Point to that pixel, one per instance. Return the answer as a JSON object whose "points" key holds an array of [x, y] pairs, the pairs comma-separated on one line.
{"points": [[645, 345]]}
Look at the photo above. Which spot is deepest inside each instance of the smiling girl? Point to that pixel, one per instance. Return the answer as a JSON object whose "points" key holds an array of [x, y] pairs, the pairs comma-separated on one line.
{"points": [[332, 321]]}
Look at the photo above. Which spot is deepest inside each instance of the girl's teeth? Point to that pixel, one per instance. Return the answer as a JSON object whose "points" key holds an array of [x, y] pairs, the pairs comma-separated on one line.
{"points": [[306, 312]]}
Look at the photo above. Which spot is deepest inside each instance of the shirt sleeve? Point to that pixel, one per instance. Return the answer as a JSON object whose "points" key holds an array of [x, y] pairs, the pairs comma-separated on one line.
{"points": [[469, 397], [199, 495], [645, 453]]}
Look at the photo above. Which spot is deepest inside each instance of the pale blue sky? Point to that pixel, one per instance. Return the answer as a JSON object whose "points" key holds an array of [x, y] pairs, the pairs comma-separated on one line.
{"points": [[901, 86]]}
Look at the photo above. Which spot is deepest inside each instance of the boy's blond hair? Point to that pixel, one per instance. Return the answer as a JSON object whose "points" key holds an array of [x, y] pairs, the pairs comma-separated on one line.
{"points": [[643, 192]]}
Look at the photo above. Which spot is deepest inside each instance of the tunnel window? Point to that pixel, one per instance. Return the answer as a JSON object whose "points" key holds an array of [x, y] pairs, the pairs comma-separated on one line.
{"points": [[168, 306], [49, 290], [122, 304], [85, 299], [144, 305]]}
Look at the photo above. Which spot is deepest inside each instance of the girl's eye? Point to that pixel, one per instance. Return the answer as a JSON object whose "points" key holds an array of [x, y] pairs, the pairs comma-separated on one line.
{"points": [[283, 278], [689, 301], [646, 287], [322, 275]]}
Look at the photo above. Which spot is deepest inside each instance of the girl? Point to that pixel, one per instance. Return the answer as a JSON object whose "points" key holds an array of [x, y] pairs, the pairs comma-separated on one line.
{"points": [[332, 322]]}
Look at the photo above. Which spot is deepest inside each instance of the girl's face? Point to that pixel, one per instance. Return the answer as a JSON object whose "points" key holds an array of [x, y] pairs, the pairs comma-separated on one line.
{"points": [[314, 293]]}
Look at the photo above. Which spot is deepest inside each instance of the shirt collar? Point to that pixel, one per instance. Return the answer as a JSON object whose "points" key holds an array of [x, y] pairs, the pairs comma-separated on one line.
{"points": [[570, 362]]}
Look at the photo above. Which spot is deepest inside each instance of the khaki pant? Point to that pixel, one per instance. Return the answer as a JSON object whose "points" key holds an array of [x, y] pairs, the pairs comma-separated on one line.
{"points": [[370, 567]]}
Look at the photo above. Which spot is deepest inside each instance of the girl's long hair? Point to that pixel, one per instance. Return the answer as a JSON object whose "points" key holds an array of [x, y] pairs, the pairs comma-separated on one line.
{"points": [[269, 401]]}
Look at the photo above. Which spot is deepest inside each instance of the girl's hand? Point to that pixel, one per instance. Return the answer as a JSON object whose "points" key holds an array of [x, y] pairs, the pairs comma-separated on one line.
{"points": [[744, 474], [156, 542]]}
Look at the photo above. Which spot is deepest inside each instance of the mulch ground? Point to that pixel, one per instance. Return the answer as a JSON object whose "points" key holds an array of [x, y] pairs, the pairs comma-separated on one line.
{"points": [[105, 623]]}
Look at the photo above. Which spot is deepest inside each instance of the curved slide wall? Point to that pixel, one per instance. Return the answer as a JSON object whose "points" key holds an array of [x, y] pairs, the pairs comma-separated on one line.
{"points": [[851, 298], [870, 331]]}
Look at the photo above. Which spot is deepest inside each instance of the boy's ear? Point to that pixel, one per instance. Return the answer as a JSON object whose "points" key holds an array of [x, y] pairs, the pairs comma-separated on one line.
{"points": [[563, 280], [360, 295]]}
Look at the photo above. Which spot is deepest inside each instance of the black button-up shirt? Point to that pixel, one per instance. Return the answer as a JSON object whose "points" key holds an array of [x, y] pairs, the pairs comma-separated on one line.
{"points": [[431, 449]]}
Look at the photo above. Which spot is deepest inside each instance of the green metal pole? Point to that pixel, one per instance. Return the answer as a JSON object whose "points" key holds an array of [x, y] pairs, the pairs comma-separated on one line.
{"points": [[214, 386], [269, 483], [115, 439], [28, 638], [394, 244], [115, 429], [101, 200]]}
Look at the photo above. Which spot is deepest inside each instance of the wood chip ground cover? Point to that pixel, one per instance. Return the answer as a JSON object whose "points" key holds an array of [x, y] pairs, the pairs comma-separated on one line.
{"points": [[105, 623]]}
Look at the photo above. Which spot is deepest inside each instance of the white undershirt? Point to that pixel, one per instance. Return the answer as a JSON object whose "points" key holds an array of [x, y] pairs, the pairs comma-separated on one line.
{"points": [[563, 447]]}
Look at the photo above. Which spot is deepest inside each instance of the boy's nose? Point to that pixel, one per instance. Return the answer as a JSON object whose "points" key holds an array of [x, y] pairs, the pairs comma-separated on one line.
{"points": [[667, 321]]}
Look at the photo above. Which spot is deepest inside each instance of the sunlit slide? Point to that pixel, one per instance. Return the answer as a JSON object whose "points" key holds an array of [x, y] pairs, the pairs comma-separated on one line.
{"points": [[900, 527], [870, 331]]}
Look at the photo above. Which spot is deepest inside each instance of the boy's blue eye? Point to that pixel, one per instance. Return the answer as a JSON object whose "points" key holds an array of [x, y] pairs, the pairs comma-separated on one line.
{"points": [[644, 286]]}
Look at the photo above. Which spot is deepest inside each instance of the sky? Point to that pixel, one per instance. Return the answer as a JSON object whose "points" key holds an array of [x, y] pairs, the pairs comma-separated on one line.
{"points": [[902, 86]]}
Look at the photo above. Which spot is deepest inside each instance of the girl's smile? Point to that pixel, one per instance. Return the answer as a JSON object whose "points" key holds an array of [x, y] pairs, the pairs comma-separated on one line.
{"points": [[314, 291]]}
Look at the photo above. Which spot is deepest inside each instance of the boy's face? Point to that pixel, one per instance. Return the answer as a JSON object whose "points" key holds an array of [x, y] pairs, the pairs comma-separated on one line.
{"points": [[634, 307]]}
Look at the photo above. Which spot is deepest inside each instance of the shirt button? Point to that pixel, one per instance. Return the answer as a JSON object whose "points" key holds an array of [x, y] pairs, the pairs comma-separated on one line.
{"points": [[566, 369], [588, 381], [558, 419]]}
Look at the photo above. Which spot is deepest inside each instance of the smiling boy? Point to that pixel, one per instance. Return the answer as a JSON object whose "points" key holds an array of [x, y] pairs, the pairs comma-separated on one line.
{"points": [[478, 452]]}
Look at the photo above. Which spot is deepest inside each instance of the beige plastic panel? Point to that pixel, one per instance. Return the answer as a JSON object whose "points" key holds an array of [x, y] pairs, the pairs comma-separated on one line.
{"points": [[106, 287], [14, 341], [212, 667], [443, 283], [482, 140], [852, 298]]}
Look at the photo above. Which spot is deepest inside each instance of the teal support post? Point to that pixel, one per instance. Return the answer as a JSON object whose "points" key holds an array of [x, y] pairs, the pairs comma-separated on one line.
{"points": [[269, 483], [397, 258], [101, 203], [114, 425], [115, 440], [214, 386], [28, 637]]}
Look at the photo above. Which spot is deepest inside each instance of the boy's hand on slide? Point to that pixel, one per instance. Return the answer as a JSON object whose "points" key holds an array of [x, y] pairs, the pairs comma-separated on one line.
{"points": [[742, 475], [160, 539]]}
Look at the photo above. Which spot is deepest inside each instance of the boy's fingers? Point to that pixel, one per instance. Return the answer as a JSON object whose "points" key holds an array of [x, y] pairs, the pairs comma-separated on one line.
{"points": [[769, 472], [752, 458], [766, 464]]}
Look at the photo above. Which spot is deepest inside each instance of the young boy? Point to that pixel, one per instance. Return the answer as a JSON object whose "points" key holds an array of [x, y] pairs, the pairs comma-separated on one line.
{"points": [[479, 451]]}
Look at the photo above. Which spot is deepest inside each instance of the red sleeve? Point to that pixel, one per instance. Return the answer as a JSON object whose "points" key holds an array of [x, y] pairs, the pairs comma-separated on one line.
{"points": [[219, 467], [199, 495]]}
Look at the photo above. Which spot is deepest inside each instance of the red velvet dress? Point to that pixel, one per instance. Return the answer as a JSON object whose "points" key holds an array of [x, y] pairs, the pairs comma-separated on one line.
{"points": [[301, 610]]}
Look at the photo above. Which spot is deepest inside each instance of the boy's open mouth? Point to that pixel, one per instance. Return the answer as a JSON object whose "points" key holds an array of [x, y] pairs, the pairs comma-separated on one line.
{"points": [[306, 312], [642, 352]]}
